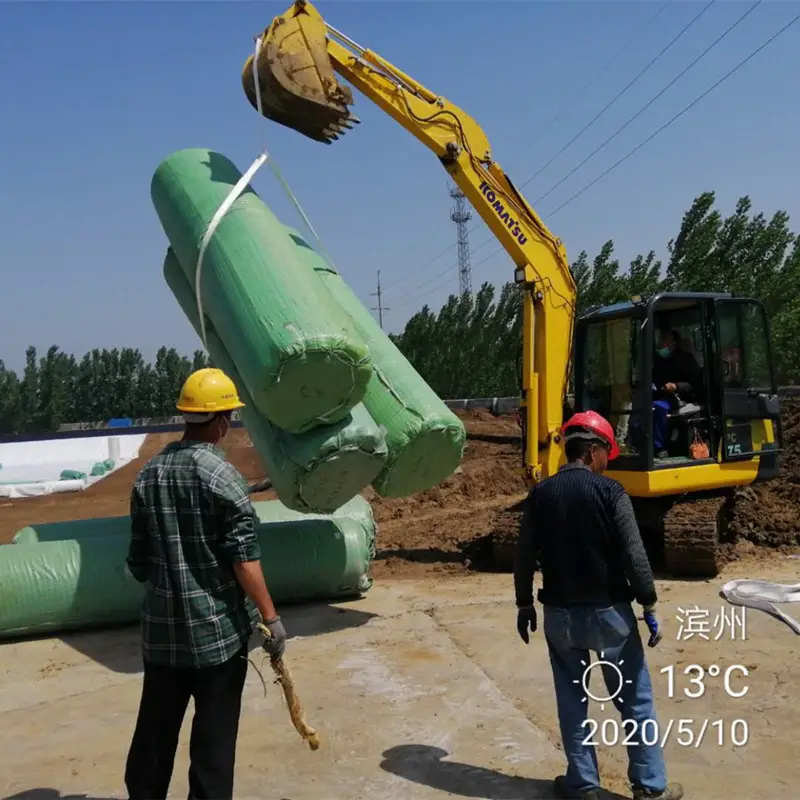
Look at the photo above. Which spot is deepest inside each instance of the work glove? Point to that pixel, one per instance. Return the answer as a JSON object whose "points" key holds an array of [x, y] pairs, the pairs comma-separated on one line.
{"points": [[651, 620], [526, 618], [275, 641]]}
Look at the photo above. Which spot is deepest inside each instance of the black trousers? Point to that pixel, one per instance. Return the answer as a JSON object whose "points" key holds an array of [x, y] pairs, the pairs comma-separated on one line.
{"points": [[217, 693]]}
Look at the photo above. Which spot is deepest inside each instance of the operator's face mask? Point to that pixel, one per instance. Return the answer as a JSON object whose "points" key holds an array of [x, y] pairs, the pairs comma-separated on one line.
{"points": [[665, 352]]}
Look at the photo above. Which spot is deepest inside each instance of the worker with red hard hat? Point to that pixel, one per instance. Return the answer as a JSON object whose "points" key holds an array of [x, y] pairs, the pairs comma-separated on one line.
{"points": [[579, 527], [590, 425]]}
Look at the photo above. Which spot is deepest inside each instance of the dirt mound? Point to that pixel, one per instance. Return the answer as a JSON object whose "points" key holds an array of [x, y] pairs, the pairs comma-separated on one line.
{"points": [[240, 452], [449, 525], [479, 421], [452, 526], [472, 519], [769, 514], [486, 473]]}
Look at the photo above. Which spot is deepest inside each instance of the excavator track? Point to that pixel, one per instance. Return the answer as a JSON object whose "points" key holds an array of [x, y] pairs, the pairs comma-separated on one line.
{"points": [[694, 536]]}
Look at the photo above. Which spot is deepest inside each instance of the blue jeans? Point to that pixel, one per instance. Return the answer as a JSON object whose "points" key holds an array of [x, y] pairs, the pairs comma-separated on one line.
{"points": [[661, 409], [571, 633]]}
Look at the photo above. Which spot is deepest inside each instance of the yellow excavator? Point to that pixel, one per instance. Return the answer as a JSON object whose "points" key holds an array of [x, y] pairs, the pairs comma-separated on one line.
{"points": [[682, 456]]}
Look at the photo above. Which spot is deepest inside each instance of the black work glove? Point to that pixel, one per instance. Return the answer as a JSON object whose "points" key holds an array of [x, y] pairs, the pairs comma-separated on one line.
{"points": [[526, 617], [275, 643], [651, 620]]}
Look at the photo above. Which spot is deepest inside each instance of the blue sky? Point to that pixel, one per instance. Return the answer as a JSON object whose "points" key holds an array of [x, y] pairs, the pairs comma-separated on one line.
{"points": [[95, 95]]}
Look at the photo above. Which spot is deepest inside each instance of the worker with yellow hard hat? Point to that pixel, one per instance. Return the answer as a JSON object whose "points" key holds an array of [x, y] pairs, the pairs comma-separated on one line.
{"points": [[194, 547]]}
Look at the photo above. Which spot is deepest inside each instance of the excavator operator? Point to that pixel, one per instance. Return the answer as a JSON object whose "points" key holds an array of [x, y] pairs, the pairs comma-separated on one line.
{"points": [[676, 380], [675, 372]]}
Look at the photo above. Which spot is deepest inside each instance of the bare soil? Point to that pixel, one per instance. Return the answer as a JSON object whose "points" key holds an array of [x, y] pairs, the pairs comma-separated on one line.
{"points": [[770, 514], [460, 525]]}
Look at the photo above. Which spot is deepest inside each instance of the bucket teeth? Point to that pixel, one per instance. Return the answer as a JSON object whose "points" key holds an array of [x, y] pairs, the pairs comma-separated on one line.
{"points": [[339, 128]]}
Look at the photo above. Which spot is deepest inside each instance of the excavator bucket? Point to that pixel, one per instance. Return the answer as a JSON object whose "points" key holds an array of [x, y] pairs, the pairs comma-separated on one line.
{"points": [[294, 77]]}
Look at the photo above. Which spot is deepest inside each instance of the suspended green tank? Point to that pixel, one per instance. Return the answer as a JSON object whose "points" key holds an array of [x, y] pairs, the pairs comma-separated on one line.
{"points": [[298, 356], [425, 438], [317, 471]]}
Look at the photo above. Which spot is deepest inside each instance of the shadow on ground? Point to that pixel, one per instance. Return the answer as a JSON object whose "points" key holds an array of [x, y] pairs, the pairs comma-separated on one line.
{"points": [[118, 649], [423, 764], [51, 794]]}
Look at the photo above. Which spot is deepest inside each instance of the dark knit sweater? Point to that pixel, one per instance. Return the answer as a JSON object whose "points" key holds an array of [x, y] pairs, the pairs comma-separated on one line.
{"points": [[579, 529]]}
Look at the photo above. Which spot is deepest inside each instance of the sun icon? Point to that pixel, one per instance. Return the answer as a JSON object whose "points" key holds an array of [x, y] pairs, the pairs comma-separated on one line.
{"points": [[584, 680]]}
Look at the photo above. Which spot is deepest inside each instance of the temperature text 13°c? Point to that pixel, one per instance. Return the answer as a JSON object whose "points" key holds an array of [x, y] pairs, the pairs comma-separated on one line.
{"points": [[699, 677]]}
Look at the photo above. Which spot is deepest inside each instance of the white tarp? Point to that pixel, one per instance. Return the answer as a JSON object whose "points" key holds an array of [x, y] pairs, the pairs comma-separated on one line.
{"points": [[16, 491], [763, 595], [31, 469]]}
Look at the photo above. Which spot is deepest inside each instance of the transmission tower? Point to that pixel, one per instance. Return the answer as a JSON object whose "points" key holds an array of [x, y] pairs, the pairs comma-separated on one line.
{"points": [[380, 308], [461, 215]]}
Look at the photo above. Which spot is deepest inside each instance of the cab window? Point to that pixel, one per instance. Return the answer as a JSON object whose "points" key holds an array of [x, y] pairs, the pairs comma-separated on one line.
{"points": [[611, 382], [744, 346]]}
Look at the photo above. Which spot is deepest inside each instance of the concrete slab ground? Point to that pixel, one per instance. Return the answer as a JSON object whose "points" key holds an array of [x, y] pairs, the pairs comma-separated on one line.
{"points": [[402, 711], [420, 690]]}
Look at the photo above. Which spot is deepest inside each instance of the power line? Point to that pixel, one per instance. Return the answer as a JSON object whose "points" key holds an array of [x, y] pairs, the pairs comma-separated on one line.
{"points": [[678, 115], [414, 271], [650, 102], [403, 297], [662, 128], [574, 138], [413, 298], [616, 133], [554, 119], [621, 92], [603, 70], [646, 141]]}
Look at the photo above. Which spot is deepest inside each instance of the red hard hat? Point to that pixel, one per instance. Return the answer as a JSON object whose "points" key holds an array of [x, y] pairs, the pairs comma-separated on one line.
{"points": [[597, 424]]}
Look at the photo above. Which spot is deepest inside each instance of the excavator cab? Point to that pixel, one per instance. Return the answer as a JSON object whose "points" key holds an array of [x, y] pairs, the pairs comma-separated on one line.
{"points": [[688, 382], [711, 400]]}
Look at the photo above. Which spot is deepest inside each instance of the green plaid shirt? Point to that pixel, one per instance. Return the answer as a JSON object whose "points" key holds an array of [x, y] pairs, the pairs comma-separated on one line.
{"points": [[191, 519]]}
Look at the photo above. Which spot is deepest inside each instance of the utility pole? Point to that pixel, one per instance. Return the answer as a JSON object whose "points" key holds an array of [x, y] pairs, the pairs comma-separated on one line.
{"points": [[380, 308], [461, 215]]}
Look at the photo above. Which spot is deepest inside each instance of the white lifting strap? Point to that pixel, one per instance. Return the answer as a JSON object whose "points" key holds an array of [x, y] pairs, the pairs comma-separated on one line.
{"points": [[233, 196]]}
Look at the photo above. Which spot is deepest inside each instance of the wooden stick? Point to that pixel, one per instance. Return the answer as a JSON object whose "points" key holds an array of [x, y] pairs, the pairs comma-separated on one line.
{"points": [[284, 677]]}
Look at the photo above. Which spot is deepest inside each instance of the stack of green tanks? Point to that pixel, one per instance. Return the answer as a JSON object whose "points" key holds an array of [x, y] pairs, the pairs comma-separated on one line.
{"points": [[331, 406]]}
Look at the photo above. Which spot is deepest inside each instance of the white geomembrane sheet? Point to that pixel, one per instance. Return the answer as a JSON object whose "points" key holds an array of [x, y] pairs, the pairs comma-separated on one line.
{"points": [[32, 469]]}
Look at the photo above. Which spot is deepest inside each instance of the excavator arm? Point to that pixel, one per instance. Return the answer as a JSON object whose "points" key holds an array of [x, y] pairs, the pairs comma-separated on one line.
{"points": [[291, 79]]}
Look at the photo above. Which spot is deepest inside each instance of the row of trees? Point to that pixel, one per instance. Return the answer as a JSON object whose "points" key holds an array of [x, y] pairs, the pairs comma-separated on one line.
{"points": [[472, 345], [57, 388]]}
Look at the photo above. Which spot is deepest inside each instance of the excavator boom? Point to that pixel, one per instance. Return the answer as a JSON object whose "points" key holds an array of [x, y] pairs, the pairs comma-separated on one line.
{"points": [[291, 78]]}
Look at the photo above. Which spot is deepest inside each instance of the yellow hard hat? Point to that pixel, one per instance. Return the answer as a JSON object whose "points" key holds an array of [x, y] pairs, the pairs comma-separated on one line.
{"points": [[208, 391]]}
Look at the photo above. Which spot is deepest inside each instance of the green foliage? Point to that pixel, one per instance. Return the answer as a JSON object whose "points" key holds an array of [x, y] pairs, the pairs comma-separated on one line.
{"points": [[57, 389], [471, 348]]}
